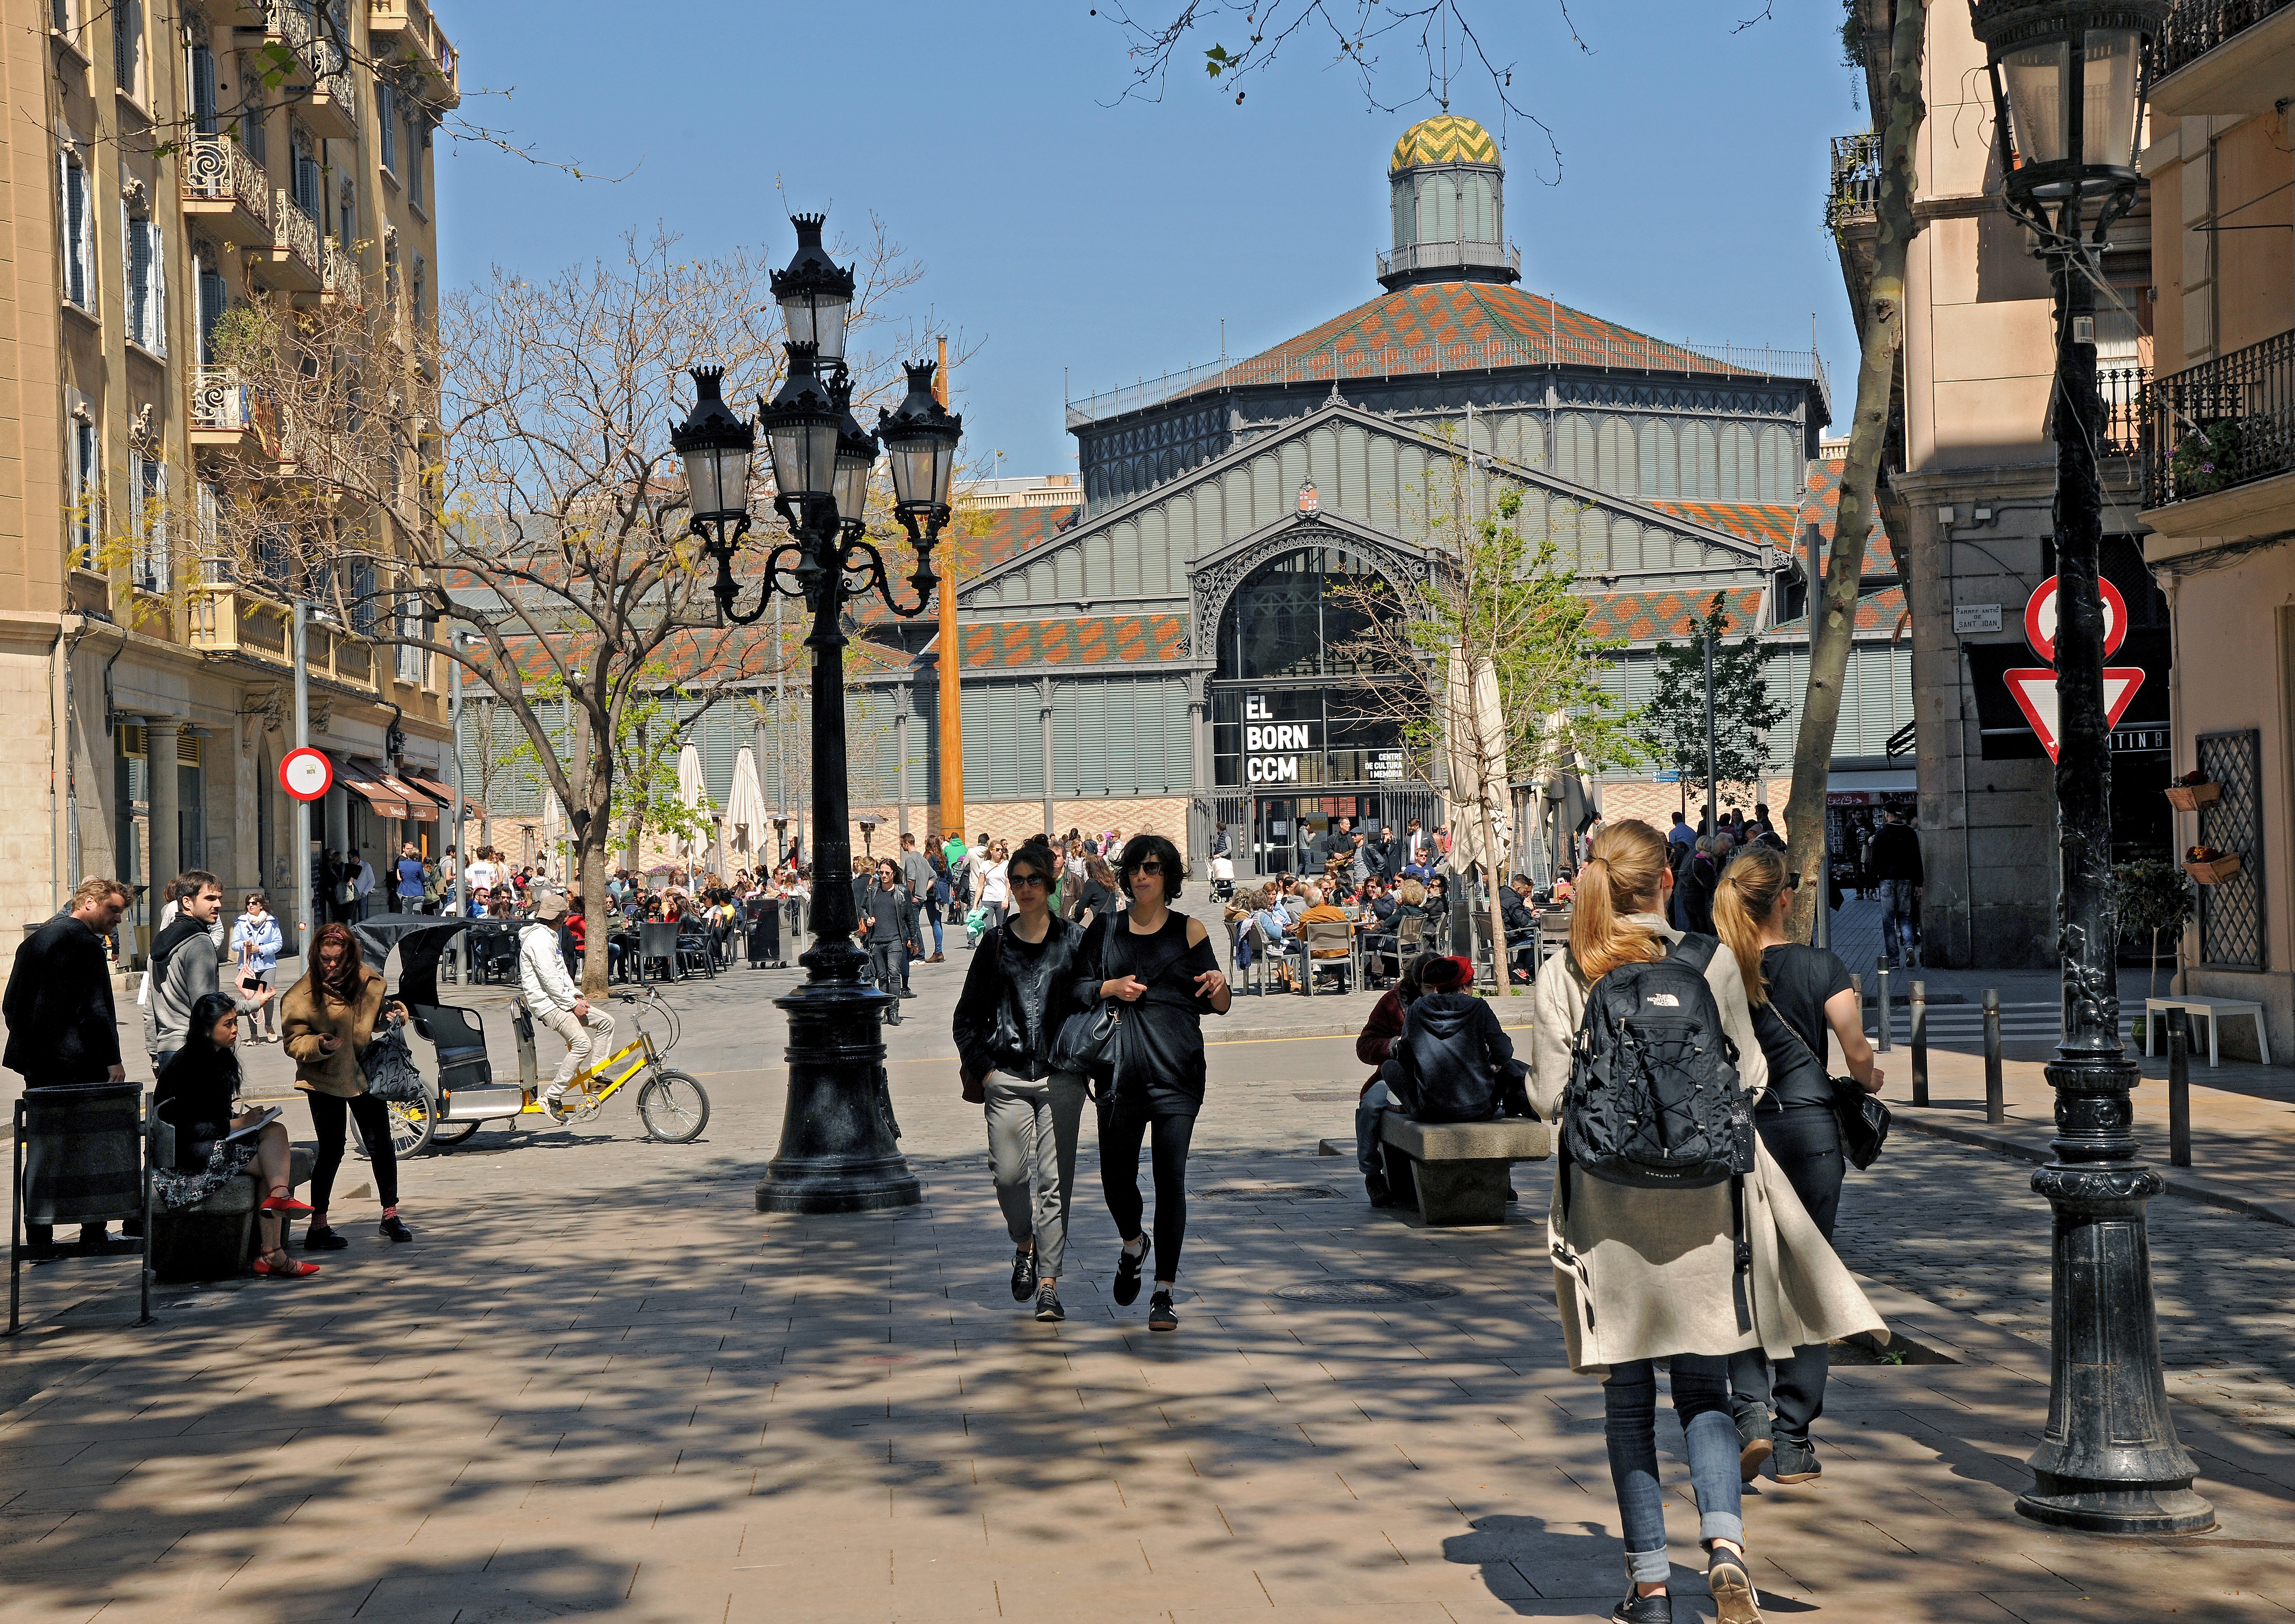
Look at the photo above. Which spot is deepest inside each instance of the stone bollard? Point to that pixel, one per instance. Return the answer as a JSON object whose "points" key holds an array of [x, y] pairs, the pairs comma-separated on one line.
{"points": [[2179, 1088], [1996, 1090], [1920, 1036]]}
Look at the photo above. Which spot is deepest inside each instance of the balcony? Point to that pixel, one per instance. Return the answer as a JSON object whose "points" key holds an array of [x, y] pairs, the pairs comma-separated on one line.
{"points": [[1415, 259], [1855, 198], [339, 272], [331, 110], [296, 265], [230, 417], [2122, 388], [2220, 425], [226, 191], [406, 28], [2222, 56]]}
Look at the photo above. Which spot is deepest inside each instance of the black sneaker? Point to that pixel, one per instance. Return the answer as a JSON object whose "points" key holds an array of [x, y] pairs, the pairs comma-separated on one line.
{"points": [[1024, 1274], [321, 1237], [1047, 1304], [1733, 1601], [1160, 1317], [1128, 1266], [1644, 1609], [1796, 1462], [394, 1227]]}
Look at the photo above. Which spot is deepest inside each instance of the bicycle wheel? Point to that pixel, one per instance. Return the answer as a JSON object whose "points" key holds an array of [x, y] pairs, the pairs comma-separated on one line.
{"points": [[444, 1135], [674, 1108], [411, 1125]]}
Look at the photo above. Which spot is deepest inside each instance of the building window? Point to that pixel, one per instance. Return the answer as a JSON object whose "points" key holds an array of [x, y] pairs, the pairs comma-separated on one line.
{"points": [[418, 142], [386, 126], [308, 190], [215, 568], [213, 296], [87, 496], [146, 279], [127, 47], [363, 610], [206, 114], [147, 486], [347, 213], [252, 134], [410, 624], [59, 16], [420, 287], [79, 233]]}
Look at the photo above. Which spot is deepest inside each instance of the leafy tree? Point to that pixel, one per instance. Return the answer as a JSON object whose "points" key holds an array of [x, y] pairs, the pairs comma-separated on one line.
{"points": [[1673, 722], [2152, 894]]}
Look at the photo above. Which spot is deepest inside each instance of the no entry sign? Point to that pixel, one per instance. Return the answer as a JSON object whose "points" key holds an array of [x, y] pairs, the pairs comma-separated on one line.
{"points": [[2040, 619], [306, 775]]}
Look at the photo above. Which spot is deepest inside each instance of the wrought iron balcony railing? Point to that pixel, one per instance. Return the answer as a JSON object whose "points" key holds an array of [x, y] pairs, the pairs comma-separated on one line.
{"points": [[2195, 27], [2122, 388], [2224, 422], [1856, 193], [217, 169]]}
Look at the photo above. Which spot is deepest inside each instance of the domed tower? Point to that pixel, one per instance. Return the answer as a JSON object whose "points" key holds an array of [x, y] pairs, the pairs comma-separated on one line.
{"points": [[1450, 206]]}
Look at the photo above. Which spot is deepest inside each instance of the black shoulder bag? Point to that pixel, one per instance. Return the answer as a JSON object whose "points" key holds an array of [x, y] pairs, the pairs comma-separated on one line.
{"points": [[1087, 1041], [1864, 1117]]}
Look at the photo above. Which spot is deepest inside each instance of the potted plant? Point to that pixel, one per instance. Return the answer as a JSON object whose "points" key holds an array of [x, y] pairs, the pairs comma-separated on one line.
{"points": [[2192, 791], [2206, 457], [2210, 866], [2152, 895]]}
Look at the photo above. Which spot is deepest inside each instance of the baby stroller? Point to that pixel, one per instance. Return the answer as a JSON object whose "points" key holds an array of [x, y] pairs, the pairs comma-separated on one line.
{"points": [[1222, 878]]}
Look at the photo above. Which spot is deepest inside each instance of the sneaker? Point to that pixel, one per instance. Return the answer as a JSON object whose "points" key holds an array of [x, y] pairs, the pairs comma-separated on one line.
{"points": [[1024, 1274], [907, 993], [1128, 1266], [1733, 1601], [1796, 1462], [1160, 1317], [554, 1106], [1047, 1304], [1644, 1609]]}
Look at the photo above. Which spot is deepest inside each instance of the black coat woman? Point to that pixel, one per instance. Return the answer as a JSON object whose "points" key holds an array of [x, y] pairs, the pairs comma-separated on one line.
{"points": [[1017, 992], [1159, 967], [1798, 993], [196, 1097]]}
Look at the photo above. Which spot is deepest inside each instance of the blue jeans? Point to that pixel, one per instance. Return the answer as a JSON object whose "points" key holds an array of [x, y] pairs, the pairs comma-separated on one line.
{"points": [[1700, 1397], [1895, 904], [1369, 1156]]}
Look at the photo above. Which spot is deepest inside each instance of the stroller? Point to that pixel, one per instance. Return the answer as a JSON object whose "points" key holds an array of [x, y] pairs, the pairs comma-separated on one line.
{"points": [[1222, 878]]}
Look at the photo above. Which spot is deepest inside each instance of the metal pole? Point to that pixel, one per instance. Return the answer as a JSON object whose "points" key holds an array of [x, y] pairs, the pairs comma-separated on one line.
{"points": [[456, 906], [2109, 1460], [1712, 789], [2179, 1088], [303, 809], [1887, 1015], [1920, 1036], [1996, 1089]]}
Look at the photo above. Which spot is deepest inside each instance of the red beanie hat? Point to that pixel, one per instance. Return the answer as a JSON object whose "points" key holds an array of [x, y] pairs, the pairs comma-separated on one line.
{"points": [[1445, 974]]}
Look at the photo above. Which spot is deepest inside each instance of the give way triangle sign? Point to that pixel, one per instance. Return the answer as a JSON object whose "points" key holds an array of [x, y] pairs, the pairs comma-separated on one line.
{"points": [[2034, 688]]}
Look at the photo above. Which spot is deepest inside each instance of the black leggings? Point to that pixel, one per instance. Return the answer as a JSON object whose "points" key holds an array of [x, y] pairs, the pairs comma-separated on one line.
{"points": [[1122, 1126], [327, 1113]]}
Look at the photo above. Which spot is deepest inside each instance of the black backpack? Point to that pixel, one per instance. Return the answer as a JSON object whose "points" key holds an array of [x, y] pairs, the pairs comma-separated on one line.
{"points": [[1654, 1100]]}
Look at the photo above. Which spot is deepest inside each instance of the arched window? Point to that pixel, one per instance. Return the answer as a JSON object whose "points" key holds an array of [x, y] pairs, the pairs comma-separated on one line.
{"points": [[1296, 616]]}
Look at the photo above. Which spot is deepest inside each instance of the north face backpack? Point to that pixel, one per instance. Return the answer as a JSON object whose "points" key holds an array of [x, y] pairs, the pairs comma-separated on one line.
{"points": [[1654, 1100]]}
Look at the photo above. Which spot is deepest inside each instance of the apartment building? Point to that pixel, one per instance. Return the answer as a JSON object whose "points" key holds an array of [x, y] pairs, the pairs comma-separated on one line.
{"points": [[163, 162], [2219, 479], [1967, 491]]}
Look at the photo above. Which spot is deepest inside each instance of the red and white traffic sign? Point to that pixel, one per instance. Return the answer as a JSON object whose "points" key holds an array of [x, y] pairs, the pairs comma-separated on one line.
{"points": [[306, 775], [2040, 620], [2034, 690]]}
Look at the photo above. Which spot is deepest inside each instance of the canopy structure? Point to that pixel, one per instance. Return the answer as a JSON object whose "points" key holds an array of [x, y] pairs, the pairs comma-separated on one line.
{"points": [[747, 820], [372, 785]]}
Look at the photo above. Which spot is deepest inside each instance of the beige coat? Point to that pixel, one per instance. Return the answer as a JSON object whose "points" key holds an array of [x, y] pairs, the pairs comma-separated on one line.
{"points": [[1643, 1274], [304, 1016]]}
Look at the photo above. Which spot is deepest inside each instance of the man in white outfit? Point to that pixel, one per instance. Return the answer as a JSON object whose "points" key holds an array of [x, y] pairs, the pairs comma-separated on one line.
{"points": [[554, 1001]]}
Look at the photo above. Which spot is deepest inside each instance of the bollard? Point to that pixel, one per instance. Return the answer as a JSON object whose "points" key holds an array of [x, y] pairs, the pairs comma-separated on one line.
{"points": [[1920, 1036], [1996, 1091], [1888, 1016], [2179, 1088]]}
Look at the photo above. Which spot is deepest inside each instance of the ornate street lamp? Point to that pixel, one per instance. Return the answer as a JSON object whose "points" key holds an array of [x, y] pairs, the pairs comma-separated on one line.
{"points": [[839, 1150], [2067, 99]]}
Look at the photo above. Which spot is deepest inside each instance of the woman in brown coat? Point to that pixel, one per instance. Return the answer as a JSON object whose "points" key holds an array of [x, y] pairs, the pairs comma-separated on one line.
{"points": [[328, 1021]]}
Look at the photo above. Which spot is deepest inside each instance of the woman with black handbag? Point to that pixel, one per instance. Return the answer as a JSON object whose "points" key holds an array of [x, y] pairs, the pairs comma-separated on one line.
{"points": [[1008, 1021], [1796, 992], [1158, 968]]}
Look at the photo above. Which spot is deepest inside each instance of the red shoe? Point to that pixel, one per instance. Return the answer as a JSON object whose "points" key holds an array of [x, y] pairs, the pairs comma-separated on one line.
{"points": [[286, 1267], [287, 1204]]}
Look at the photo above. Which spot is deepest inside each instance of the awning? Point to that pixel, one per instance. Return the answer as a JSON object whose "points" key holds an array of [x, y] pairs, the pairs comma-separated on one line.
{"points": [[369, 783], [441, 794]]}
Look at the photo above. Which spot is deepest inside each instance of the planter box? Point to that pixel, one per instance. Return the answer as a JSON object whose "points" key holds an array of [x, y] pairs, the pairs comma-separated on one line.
{"points": [[2213, 873], [2191, 797]]}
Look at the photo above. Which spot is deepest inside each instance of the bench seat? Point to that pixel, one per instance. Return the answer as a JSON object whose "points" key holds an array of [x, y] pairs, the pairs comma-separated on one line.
{"points": [[216, 1239], [1460, 1168]]}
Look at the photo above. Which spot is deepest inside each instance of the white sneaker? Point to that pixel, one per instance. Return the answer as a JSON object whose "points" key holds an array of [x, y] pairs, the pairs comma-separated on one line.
{"points": [[554, 1106]]}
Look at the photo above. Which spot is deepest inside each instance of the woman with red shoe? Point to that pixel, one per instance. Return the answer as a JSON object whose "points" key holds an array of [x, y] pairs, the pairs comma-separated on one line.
{"points": [[327, 1020], [195, 1096]]}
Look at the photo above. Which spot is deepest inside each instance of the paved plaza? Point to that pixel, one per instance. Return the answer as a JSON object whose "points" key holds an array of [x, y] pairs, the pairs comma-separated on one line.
{"points": [[600, 1382]]}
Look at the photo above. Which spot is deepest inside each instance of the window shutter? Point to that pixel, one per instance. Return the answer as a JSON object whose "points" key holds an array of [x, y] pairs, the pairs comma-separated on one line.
{"points": [[137, 237], [155, 522], [123, 45], [155, 255], [386, 123], [203, 90], [214, 295]]}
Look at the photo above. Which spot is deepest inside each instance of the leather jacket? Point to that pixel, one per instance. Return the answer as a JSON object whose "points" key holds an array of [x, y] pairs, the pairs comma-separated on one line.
{"points": [[1013, 1002]]}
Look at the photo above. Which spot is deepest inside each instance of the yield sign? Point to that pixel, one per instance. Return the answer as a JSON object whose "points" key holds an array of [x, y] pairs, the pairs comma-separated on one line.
{"points": [[2034, 688]]}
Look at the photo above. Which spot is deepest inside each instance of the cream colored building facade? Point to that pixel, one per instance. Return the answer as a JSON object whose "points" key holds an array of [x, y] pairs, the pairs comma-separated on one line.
{"points": [[160, 161], [2220, 487]]}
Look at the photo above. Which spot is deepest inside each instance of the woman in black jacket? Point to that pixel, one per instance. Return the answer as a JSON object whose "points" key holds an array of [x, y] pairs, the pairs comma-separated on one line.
{"points": [[1016, 994], [194, 1096]]}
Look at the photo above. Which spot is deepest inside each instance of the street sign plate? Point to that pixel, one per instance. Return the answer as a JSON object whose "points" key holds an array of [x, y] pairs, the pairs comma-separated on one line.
{"points": [[1975, 617], [2034, 690], [306, 775], [2040, 619]]}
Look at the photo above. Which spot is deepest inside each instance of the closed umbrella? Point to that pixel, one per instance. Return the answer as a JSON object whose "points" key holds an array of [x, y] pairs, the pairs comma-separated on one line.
{"points": [[553, 831], [1477, 804], [693, 792], [745, 806]]}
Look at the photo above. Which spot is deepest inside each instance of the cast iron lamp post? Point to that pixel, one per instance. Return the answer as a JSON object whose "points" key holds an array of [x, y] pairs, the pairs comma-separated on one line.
{"points": [[837, 1152], [2067, 97]]}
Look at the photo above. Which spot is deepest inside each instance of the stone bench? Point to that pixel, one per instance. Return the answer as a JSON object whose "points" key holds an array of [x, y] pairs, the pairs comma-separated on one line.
{"points": [[216, 1239], [1460, 1168]]}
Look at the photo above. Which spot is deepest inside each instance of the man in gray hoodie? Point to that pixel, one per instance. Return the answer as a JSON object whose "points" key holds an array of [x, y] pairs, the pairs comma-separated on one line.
{"points": [[183, 966]]}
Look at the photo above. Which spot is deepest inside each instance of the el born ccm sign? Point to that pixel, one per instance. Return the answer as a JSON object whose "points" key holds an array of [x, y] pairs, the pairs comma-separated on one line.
{"points": [[1271, 749]]}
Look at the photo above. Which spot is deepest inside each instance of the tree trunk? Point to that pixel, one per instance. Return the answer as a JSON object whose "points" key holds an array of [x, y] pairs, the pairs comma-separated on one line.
{"points": [[1882, 333]]}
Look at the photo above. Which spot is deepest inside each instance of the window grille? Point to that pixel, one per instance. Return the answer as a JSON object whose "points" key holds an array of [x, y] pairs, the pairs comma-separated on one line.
{"points": [[2231, 912]]}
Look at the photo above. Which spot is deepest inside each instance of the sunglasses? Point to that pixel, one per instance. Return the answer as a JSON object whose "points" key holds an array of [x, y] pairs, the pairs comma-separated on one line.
{"points": [[1025, 880], [1149, 867]]}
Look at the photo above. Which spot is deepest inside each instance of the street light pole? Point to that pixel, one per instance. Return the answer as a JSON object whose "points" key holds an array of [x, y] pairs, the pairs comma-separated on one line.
{"points": [[2109, 1460], [1712, 787], [303, 809]]}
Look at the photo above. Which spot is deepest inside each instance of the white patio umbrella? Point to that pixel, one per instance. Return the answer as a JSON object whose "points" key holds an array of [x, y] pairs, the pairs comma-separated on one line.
{"points": [[745, 806], [1476, 806], [692, 791], [554, 832]]}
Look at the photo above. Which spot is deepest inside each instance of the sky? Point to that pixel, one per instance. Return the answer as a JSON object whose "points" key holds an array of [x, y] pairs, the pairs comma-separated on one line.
{"points": [[1073, 240]]}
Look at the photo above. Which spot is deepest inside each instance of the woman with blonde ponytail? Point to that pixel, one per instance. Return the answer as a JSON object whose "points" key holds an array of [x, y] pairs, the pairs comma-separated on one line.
{"points": [[1798, 993], [1642, 1275]]}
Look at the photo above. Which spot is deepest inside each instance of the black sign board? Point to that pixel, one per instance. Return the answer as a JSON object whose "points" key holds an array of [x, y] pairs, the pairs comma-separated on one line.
{"points": [[2007, 735]]}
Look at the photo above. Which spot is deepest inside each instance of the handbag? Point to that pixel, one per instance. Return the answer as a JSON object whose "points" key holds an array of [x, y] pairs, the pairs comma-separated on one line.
{"points": [[1088, 1039], [1864, 1118], [388, 1066]]}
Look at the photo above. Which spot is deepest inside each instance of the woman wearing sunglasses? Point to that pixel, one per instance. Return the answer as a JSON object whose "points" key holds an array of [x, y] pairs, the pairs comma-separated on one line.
{"points": [[1016, 994], [1160, 966]]}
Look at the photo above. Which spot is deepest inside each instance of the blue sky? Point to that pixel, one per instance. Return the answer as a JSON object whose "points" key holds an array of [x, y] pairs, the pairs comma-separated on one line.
{"points": [[1070, 233]]}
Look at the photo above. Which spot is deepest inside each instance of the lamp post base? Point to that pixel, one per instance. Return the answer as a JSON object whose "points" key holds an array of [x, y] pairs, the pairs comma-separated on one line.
{"points": [[2115, 1508], [839, 1150]]}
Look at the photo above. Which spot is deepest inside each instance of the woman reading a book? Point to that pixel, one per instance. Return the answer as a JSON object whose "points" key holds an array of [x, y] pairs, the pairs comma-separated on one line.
{"points": [[215, 1142]]}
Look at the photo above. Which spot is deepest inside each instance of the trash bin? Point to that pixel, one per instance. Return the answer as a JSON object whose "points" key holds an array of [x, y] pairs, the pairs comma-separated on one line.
{"points": [[83, 1154]]}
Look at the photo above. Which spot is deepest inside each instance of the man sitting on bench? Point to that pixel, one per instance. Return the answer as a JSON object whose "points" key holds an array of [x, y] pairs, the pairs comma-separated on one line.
{"points": [[1442, 1058]]}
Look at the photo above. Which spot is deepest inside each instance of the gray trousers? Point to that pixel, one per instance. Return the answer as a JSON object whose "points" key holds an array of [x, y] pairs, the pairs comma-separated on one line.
{"points": [[1032, 1134]]}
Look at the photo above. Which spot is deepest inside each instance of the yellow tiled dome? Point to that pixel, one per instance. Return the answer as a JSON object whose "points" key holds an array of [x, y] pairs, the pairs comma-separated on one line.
{"points": [[1444, 139]]}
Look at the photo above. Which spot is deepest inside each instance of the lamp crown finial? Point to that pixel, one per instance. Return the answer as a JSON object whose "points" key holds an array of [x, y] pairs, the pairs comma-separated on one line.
{"points": [[705, 380], [808, 228]]}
